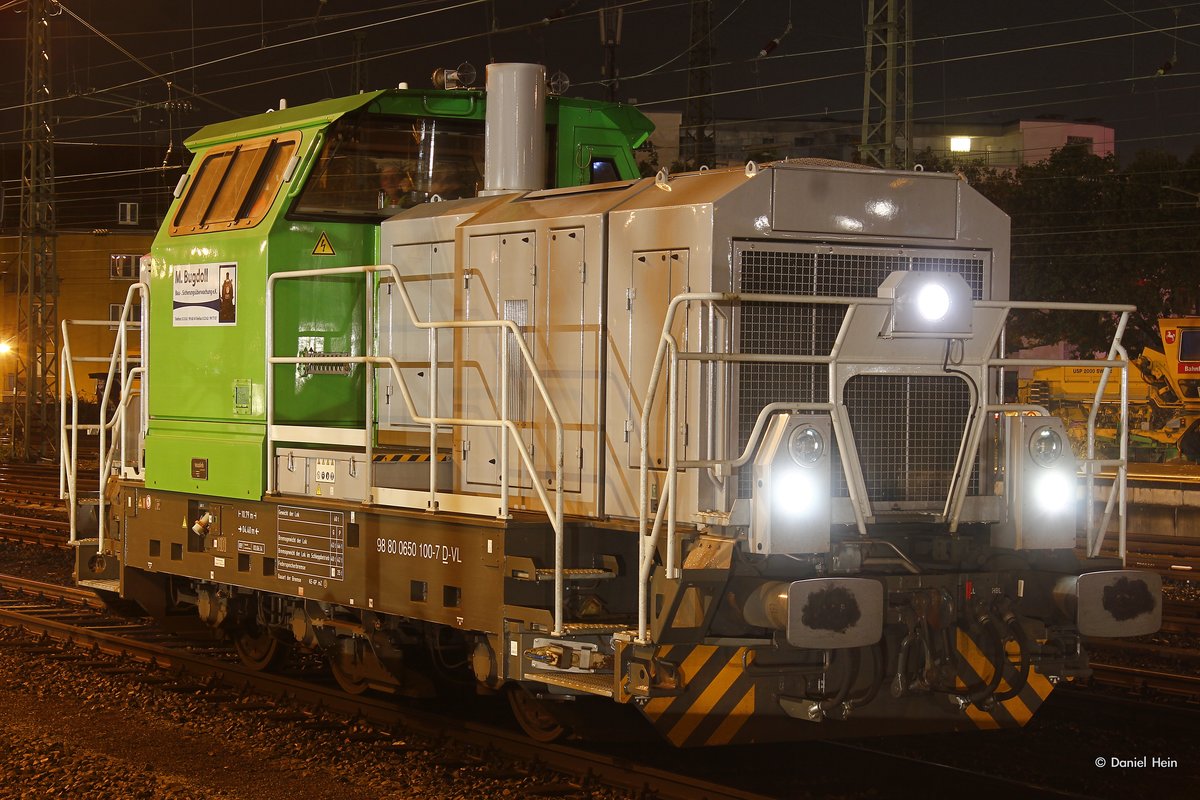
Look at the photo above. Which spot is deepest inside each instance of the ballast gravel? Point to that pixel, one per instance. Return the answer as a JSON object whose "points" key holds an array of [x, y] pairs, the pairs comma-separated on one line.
{"points": [[67, 731]]}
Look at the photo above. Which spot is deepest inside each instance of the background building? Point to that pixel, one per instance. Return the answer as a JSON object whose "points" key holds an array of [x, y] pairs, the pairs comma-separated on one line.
{"points": [[95, 270], [998, 145]]}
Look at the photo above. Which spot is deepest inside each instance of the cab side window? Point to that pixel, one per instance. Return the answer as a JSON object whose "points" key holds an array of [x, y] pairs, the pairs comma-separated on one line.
{"points": [[234, 185], [602, 170]]}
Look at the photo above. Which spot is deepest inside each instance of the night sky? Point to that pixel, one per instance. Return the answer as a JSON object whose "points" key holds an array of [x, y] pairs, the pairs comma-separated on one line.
{"points": [[993, 62]]}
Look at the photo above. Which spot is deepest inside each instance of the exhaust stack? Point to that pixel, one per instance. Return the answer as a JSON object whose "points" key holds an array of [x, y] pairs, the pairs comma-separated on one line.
{"points": [[515, 141]]}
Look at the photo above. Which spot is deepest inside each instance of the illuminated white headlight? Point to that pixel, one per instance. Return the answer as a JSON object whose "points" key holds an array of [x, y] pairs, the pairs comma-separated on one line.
{"points": [[927, 304], [806, 446], [1053, 492], [794, 492], [790, 506], [1045, 446], [933, 301]]}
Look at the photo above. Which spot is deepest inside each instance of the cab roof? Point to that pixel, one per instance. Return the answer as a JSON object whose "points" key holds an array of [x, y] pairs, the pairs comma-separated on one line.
{"points": [[458, 103]]}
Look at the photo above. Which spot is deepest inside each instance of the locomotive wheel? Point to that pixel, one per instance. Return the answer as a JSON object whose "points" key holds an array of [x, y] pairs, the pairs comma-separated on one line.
{"points": [[259, 650], [350, 683], [533, 715]]}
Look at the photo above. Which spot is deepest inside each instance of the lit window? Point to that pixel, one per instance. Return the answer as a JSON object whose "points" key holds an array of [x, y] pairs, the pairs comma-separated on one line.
{"points": [[960, 144], [603, 170], [123, 266]]}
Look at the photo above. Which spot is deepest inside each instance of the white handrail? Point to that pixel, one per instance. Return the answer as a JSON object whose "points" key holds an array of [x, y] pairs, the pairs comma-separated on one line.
{"points": [[69, 390], [668, 351], [389, 271]]}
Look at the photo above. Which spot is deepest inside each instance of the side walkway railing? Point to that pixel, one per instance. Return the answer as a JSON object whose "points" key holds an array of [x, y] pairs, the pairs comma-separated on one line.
{"points": [[387, 273], [668, 358], [125, 371]]}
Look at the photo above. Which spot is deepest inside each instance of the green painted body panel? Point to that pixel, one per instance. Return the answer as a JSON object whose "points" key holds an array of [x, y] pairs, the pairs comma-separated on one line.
{"points": [[208, 382], [325, 314], [312, 115], [586, 130], [231, 456]]}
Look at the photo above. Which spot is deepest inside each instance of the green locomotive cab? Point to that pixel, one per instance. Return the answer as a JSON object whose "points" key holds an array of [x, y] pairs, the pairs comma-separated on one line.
{"points": [[304, 188]]}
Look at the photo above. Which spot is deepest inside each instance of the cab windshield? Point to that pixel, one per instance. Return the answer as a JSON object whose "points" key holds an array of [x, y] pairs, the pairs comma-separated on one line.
{"points": [[372, 165]]}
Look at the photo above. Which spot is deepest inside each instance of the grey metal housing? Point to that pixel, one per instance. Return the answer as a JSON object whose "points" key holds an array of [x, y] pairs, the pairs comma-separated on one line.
{"points": [[588, 275]]}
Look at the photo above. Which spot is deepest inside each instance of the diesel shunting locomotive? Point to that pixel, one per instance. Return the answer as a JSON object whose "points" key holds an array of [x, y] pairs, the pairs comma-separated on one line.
{"points": [[433, 380]]}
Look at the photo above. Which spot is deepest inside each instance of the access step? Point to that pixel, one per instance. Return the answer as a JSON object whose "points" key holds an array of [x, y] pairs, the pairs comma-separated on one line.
{"points": [[526, 569], [102, 585], [596, 628], [590, 683]]}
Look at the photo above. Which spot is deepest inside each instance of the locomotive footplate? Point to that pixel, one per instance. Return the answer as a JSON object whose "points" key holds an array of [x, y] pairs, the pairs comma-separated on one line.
{"points": [[443, 570]]}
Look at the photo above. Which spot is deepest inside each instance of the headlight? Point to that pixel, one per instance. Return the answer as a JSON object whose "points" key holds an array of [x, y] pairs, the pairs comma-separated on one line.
{"points": [[933, 301], [794, 492], [1053, 492], [927, 305], [806, 446], [1045, 446]]}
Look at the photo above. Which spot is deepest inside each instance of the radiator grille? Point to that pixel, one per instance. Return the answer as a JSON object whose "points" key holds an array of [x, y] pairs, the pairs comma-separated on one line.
{"points": [[908, 430], [934, 418]]}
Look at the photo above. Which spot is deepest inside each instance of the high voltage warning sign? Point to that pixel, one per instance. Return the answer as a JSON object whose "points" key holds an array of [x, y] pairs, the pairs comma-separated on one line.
{"points": [[323, 248]]}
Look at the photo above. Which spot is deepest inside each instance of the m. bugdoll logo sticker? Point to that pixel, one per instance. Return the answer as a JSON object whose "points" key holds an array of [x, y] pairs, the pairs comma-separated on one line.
{"points": [[204, 295]]}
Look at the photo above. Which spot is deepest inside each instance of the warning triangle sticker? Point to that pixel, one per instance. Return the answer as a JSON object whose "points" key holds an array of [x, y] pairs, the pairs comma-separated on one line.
{"points": [[323, 248]]}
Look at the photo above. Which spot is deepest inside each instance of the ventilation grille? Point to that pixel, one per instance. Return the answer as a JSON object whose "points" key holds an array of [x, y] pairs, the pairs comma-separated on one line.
{"points": [[908, 430], [904, 427]]}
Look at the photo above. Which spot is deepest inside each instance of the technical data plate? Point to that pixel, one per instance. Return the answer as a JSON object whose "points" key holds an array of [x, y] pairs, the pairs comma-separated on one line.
{"points": [[310, 544]]}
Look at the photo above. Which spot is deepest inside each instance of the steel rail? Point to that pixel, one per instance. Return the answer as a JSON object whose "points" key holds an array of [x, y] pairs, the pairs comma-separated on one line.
{"points": [[614, 771]]}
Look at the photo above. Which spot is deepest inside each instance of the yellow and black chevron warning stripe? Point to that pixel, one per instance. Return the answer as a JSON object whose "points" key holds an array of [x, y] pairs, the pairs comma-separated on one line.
{"points": [[975, 667], [718, 696], [389, 458]]}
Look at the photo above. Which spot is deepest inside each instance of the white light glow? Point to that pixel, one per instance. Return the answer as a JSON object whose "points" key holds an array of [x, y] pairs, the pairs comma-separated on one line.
{"points": [[794, 492], [848, 224], [960, 144], [5, 348], [882, 208], [933, 301], [1053, 492]]}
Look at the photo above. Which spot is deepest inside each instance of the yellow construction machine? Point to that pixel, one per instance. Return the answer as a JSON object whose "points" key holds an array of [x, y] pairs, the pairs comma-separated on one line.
{"points": [[1164, 398]]}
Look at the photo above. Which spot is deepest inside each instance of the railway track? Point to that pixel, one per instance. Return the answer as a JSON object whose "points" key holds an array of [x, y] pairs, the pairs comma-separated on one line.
{"points": [[1165, 665], [71, 624], [1171, 556], [31, 510], [1145, 683]]}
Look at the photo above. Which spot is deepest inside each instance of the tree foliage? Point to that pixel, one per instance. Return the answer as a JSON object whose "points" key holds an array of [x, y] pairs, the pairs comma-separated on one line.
{"points": [[1086, 229]]}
